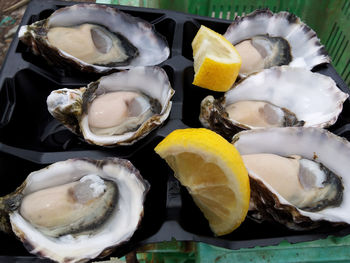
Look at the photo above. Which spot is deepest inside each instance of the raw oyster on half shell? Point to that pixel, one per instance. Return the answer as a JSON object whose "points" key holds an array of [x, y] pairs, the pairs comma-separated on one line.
{"points": [[120, 108], [265, 39], [299, 175], [77, 210], [95, 38], [276, 97]]}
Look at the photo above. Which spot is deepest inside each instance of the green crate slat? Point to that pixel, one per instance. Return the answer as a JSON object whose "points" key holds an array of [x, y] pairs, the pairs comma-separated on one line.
{"points": [[329, 250], [168, 252]]}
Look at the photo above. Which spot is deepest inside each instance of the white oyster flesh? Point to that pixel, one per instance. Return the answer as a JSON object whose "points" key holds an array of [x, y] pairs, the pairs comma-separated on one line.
{"points": [[264, 39], [101, 47], [261, 52], [310, 186], [117, 112], [267, 148], [285, 96], [71, 188], [68, 208], [260, 114]]}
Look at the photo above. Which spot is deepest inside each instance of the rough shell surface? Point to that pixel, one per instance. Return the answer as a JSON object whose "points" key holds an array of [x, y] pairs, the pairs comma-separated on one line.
{"points": [[314, 98], [69, 106], [307, 51], [312, 143], [120, 226], [153, 48]]}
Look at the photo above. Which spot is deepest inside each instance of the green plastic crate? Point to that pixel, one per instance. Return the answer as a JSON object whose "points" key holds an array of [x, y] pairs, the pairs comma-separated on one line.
{"points": [[329, 18], [328, 250]]}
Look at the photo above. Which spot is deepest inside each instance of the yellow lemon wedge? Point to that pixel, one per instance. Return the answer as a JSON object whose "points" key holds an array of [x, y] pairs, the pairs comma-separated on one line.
{"points": [[213, 172], [216, 61]]}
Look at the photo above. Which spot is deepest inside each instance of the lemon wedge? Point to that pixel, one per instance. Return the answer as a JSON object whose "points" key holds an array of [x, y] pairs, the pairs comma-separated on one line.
{"points": [[216, 61], [213, 172]]}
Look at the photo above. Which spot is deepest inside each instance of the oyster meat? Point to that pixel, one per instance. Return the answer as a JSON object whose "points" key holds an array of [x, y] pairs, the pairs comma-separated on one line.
{"points": [[311, 186], [276, 97], [120, 108], [264, 39], [78, 209], [299, 175], [95, 38], [101, 47]]}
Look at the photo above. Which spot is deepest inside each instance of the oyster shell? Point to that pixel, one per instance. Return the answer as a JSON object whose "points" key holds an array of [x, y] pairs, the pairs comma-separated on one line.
{"points": [[95, 38], [78, 209], [120, 108], [298, 193], [264, 39], [276, 97]]}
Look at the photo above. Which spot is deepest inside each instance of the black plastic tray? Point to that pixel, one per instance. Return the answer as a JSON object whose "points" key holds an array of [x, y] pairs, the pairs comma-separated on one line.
{"points": [[31, 139]]}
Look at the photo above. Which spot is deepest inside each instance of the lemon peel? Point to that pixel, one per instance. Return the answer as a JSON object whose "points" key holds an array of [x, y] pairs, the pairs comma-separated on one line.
{"points": [[216, 60], [213, 172]]}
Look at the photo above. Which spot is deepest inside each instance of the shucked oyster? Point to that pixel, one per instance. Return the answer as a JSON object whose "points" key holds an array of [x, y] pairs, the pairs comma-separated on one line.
{"points": [[77, 210], [120, 108], [299, 176], [276, 97], [95, 38], [264, 39]]}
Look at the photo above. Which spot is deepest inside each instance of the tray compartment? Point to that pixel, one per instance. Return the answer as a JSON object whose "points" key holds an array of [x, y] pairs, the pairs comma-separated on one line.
{"points": [[164, 26], [28, 118], [29, 125], [192, 99], [155, 211]]}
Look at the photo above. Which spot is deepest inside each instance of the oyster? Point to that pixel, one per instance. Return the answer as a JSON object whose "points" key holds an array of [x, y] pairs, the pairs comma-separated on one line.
{"points": [[78, 209], [299, 176], [120, 108], [95, 38], [264, 39], [276, 97]]}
